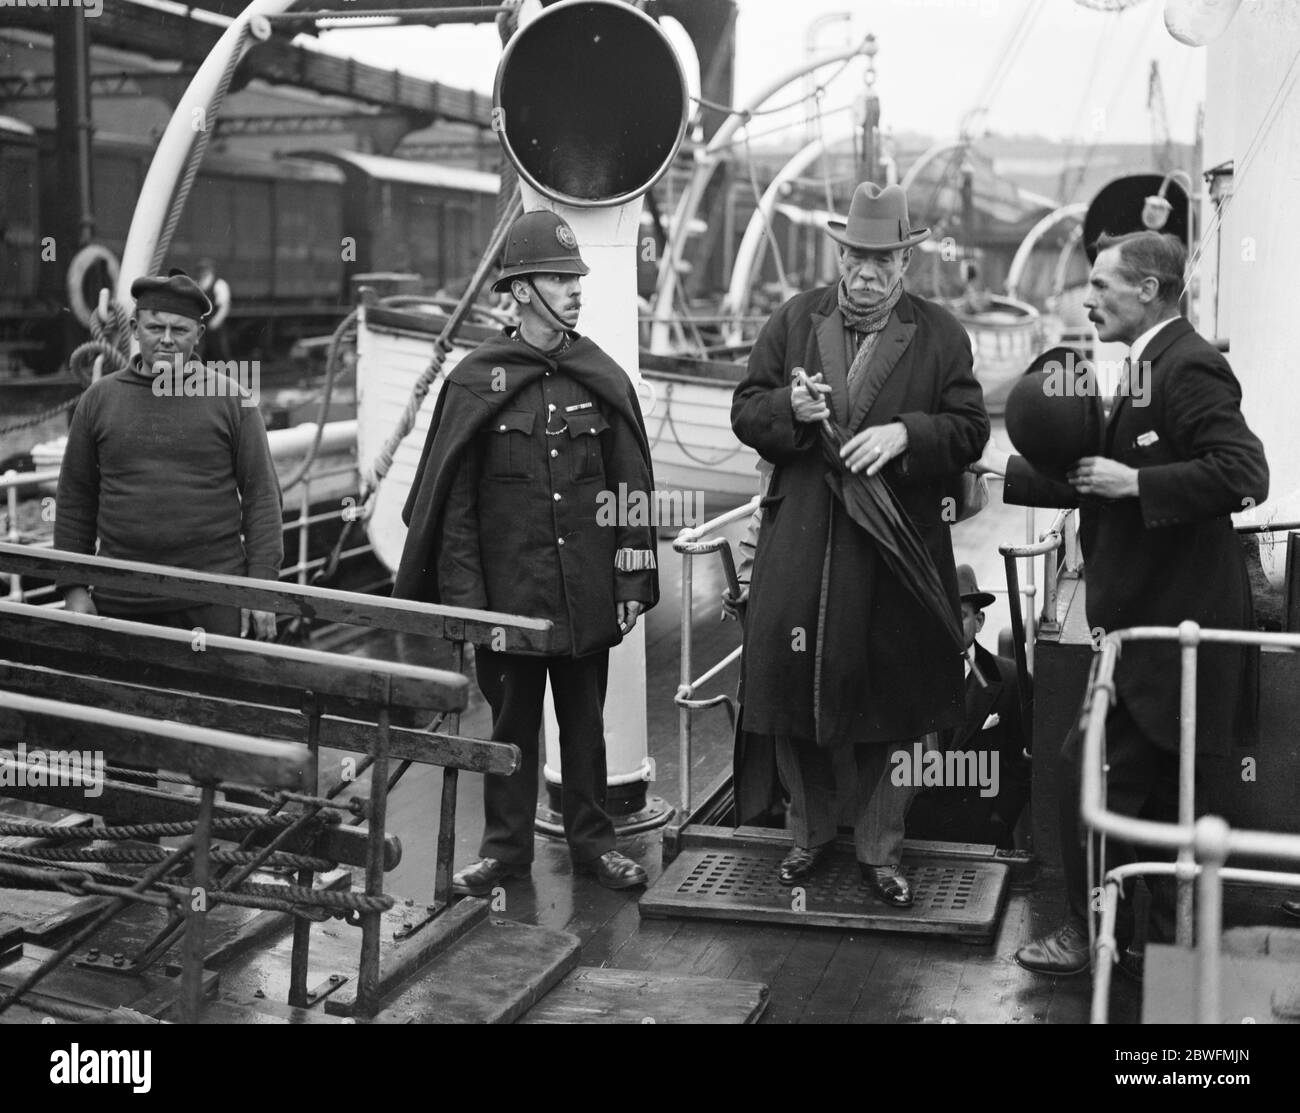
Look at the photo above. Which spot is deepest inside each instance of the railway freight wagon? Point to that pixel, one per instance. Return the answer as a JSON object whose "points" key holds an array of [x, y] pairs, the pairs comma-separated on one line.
{"points": [[287, 234]]}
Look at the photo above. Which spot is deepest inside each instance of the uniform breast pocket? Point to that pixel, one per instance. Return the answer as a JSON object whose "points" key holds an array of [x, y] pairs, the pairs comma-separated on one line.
{"points": [[588, 461], [509, 448]]}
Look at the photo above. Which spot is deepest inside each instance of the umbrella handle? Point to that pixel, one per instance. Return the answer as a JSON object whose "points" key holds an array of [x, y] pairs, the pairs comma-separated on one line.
{"points": [[800, 378]]}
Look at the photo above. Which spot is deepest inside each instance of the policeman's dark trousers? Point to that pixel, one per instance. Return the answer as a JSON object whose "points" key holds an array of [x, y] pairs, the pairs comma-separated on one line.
{"points": [[879, 806], [514, 686], [1142, 781]]}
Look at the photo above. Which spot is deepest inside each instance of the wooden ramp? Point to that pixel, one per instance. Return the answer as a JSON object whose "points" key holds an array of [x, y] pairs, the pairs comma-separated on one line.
{"points": [[954, 897], [598, 995]]}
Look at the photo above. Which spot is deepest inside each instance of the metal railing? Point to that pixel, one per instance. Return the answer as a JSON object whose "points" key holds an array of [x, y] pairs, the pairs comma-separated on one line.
{"points": [[691, 543], [1202, 845]]}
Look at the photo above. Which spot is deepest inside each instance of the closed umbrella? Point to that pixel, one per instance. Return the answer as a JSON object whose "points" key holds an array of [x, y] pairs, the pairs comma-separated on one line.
{"points": [[871, 504]]}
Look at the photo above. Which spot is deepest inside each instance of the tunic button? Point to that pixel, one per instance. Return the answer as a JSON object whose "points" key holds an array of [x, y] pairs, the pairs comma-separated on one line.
{"points": [[551, 406], [503, 428], [557, 496], [560, 541], [554, 453]]}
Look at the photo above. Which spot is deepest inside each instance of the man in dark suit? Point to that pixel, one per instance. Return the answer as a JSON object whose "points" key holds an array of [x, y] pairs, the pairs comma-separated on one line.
{"points": [[1177, 460], [993, 736], [838, 653]]}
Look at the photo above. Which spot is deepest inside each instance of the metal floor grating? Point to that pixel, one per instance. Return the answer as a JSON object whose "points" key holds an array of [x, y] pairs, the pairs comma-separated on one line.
{"points": [[950, 897]]}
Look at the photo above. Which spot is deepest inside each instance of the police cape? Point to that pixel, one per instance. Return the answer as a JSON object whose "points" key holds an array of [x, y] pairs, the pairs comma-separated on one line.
{"points": [[482, 385]]}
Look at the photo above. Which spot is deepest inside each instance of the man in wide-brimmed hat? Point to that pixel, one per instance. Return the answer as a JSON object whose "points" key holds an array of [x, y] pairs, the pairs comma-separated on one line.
{"points": [[839, 652]]}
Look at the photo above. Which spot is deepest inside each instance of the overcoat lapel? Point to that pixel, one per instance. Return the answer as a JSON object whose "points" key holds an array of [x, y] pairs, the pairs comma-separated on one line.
{"points": [[832, 349]]}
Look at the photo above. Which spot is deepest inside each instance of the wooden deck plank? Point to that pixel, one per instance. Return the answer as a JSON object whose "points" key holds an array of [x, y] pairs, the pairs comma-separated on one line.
{"points": [[893, 975], [602, 996], [846, 977], [801, 973]]}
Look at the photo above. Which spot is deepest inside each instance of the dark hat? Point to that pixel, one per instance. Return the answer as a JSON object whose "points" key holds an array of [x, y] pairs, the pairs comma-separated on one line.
{"points": [[877, 220], [969, 590], [177, 293], [1054, 414], [539, 243]]}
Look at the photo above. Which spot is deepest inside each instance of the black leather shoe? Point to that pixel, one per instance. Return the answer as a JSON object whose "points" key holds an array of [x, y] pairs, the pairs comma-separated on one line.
{"points": [[800, 863], [614, 870], [888, 884], [1062, 953], [1291, 908], [485, 875]]}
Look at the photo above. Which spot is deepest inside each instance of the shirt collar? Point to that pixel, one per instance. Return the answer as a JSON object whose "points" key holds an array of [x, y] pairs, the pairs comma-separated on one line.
{"points": [[1140, 344]]}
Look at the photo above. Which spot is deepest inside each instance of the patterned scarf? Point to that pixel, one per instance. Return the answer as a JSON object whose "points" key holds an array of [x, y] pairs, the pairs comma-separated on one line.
{"points": [[868, 324], [867, 320]]}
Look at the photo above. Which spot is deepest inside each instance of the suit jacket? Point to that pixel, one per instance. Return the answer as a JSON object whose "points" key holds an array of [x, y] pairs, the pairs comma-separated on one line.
{"points": [[1171, 554], [836, 649], [963, 814]]}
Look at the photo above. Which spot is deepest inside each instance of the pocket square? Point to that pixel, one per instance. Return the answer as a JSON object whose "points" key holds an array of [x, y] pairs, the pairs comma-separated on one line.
{"points": [[991, 721], [1148, 438]]}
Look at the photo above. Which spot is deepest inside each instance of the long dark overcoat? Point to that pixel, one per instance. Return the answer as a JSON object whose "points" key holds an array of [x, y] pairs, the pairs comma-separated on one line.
{"points": [[1171, 554], [836, 649]]}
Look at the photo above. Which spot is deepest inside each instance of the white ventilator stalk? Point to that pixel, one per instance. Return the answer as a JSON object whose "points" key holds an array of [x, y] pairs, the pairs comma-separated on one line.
{"points": [[706, 162], [751, 244], [607, 239], [174, 149], [1076, 211]]}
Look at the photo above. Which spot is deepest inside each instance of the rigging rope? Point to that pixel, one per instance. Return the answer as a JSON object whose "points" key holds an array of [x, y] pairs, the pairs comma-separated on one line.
{"points": [[197, 151], [384, 460]]}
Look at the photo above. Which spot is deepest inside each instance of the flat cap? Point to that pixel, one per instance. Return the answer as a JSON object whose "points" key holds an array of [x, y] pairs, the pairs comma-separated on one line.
{"points": [[177, 293]]}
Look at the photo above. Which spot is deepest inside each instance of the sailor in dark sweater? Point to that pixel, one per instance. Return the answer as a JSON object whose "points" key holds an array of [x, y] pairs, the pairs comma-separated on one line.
{"points": [[174, 477]]}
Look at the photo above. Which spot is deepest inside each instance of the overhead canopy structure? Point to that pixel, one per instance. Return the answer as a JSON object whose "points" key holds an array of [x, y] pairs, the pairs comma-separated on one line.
{"points": [[163, 34]]}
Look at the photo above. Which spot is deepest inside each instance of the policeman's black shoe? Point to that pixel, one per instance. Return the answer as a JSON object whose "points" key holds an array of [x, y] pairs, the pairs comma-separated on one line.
{"points": [[485, 875], [1062, 953], [800, 863], [1291, 908], [614, 870], [888, 883]]}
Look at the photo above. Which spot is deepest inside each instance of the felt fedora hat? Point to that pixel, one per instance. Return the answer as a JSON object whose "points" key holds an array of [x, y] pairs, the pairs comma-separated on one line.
{"points": [[969, 589], [877, 220]]}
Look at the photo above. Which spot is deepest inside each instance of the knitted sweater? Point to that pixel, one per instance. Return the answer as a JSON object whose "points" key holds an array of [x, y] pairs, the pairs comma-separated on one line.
{"points": [[185, 481]]}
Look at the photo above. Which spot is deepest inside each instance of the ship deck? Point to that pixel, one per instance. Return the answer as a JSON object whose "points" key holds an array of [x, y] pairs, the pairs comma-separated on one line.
{"points": [[815, 974]]}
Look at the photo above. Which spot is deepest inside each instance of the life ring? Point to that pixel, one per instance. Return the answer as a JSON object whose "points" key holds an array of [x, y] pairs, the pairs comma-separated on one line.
{"points": [[78, 269]]}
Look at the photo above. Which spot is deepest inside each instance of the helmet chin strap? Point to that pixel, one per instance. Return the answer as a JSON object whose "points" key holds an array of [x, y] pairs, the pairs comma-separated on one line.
{"points": [[559, 321]]}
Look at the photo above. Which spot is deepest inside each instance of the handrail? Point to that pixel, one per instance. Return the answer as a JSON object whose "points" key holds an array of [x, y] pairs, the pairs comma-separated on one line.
{"points": [[1203, 845], [691, 542], [1023, 636], [512, 633]]}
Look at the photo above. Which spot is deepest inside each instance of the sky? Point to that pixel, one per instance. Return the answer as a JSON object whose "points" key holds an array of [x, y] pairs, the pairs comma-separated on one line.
{"points": [[1072, 73]]}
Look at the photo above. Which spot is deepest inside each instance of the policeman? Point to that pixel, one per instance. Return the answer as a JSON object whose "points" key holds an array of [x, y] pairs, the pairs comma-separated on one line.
{"points": [[529, 430]]}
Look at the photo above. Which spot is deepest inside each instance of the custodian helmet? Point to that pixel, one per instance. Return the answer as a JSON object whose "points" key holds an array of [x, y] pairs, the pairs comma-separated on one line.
{"points": [[539, 243]]}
